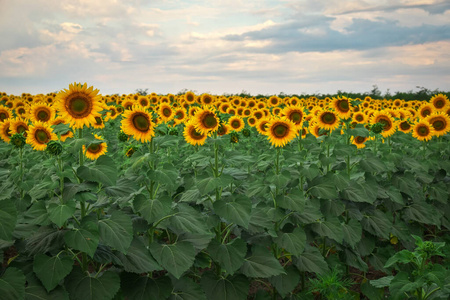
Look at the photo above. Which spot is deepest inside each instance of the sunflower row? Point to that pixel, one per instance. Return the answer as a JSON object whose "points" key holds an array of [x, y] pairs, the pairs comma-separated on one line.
{"points": [[280, 120]]}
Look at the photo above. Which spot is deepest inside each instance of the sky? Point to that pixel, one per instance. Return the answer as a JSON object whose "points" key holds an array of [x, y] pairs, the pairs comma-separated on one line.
{"points": [[224, 46]]}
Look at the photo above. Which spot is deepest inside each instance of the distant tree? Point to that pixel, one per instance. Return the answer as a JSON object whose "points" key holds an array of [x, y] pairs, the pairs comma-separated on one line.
{"points": [[142, 92]]}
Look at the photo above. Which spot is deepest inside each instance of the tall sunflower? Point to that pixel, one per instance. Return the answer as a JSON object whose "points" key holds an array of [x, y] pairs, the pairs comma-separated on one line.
{"points": [[165, 112], [79, 105], [439, 101], [404, 126], [41, 112], [192, 136], [206, 99], [236, 123], [342, 106], [180, 115], [280, 131], [189, 97], [5, 113], [206, 120], [423, 131], [138, 123], [425, 110], [359, 141], [389, 125], [5, 130], [39, 134], [19, 125], [262, 125], [95, 150], [294, 114], [328, 120], [440, 123]]}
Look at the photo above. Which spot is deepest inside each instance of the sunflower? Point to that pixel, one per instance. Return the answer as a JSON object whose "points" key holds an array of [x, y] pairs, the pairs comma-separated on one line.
{"points": [[206, 120], [236, 102], [112, 113], [65, 136], [251, 121], [274, 101], [192, 136], [193, 110], [99, 124], [425, 110], [359, 141], [206, 99], [327, 120], [179, 115], [223, 107], [276, 111], [79, 105], [165, 112], [236, 123], [280, 131], [39, 134], [138, 123], [315, 129], [5, 130], [128, 103], [389, 126], [359, 118], [397, 103], [96, 149], [423, 131], [342, 106], [294, 114], [189, 97], [5, 113], [439, 101], [440, 123], [19, 125], [404, 126], [262, 125], [247, 112], [258, 114], [223, 129], [143, 101]]}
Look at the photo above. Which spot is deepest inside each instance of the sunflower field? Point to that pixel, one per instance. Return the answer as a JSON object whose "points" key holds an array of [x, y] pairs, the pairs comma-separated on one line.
{"points": [[223, 197]]}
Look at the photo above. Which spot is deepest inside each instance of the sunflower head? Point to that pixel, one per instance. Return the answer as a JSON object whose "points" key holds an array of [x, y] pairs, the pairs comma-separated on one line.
{"points": [[192, 136], [359, 141], [18, 140], [280, 131], [404, 126], [95, 149], [138, 123], [327, 120], [54, 148], [342, 106], [294, 114], [39, 134], [236, 123], [439, 101], [387, 123], [440, 123], [234, 137], [130, 150], [423, 131], [206, 120], [223, 129]]}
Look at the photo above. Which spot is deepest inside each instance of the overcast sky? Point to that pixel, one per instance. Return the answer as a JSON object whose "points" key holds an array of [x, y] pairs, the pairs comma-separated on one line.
{"points": [[224, 46]]}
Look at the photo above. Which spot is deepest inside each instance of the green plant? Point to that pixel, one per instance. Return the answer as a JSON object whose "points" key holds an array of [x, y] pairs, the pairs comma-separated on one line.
{"points": [[332, 286]]}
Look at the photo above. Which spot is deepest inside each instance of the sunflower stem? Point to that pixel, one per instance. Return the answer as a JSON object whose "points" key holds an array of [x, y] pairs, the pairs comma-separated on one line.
{"points": [[151, 164], [216, 164], [81, 154], [328, 155], [61, 177], [21, 171]]}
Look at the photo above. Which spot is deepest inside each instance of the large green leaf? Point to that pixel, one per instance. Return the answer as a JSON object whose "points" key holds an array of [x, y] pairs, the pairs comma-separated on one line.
{"points": [[361, 192], [59, 213], [84, 287], [152, 209], [186, 289], [187, 219], [295, 201], [230, 256], [167, 175], [103, 171], [406, 183], [138, 287], [35, 291], [124, 187], [310, 171], [293, 242], [175, 258], [311, 213], [324, 190], [37, 214], [352, 232], [8, 219], [237, 210], [138, 259], [311, 260], [422, 212], [401, 284], [373, 164], [117, 231], [330, 228], [84, 239], [280, 180], [12, 284], [261, 264], [208, 184], [377, 224], [51, 270], [225, 288], [285, 283], [46, 239], [71, 189]]}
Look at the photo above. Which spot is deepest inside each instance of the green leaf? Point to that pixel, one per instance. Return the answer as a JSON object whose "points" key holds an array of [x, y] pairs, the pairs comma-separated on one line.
{"points": [[35, 291], [186, 289], [123, 188], [310, 171], [104, 171], [175, 258], [83, 239], [42, 189], [60, 213], [371, 292], [230, 256], [191, 196], [37, 214], [361, 192], [8, 219], [377, 224], [311, 213], [187, 219], [117, 231], [406, 183], [168, 175], [71, 189], [332, 207], [237, 210], [229, 288], [423, 212], [294, 201], [145, 288], [285, 283], [12, 284], [51, 270], [359, 130], [138, 259], [280, 180], [261, 264], [373, 164], [341, 150], [330, 228], [354, 260], [294, 242], [382, 282], [208, 184], [401, 284], [311, 260], [324, 190], [46, 239], [391, 193], [84, 287], [152, 209], [404, 257], [352, 232]]}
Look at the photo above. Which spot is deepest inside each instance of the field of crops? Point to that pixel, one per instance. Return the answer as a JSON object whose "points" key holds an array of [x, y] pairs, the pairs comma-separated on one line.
{"points": [[213, 197]]}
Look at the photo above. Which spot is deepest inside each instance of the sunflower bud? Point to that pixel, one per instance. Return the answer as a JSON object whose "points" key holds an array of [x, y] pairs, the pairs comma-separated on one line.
{"points": [[234, 138], [122, 136], [377, 128], [173, 131], [245, 132], [18, 140], [54, 148], [129, 151]]}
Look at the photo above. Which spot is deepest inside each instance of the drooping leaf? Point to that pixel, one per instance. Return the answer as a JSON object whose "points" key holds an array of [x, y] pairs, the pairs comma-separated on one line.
{"points": [[311, 260], [37, 214], [84, 287], [12, 284], [293, 242], [285, 283], [352, 232], [360, 192], [8, 219], [311, 212], [377, 224], [152, 209], [46, 239], [60, 213], [229, 288], [103, 171], [117, 231], [230, 256], [331, 228], [167, 175], [71, 189], [51, 270], [138, 258], [261, 264], [372, 164], [324, 190], [423, 213], [175, 258], [237, 210], [401, 284], [186, 289], [138, 287], [295, 201], [280, 180], [187, 219], [84, 239], [124, 187], [35, 291], [382, 282]]}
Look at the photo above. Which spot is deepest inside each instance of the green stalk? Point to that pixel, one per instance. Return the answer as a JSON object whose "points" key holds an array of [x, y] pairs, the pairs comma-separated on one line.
{"points": [[81, 154], [61, 176], [348, 166], [151, 164], [216, 164], [328, 155], [21, 170]]}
